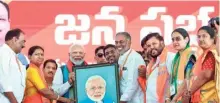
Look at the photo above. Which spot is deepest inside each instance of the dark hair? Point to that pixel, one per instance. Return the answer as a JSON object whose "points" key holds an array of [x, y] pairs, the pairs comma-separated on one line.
{"points": [[150, 35], [143, 41], [99, 48], [126, 34], [211, 22], [7, 7], [33, 48], [209, 30], [13, 33], [50, 61], [109, 46], [182, 32]]}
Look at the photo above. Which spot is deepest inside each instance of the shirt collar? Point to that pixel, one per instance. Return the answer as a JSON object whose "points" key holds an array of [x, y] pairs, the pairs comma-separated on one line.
{"points": [[99, 102], [9, 48], [126, 53]]}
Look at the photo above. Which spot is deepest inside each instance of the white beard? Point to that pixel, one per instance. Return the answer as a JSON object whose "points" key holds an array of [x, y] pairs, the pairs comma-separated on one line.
{"points": [[94, 99], [76, 62]]}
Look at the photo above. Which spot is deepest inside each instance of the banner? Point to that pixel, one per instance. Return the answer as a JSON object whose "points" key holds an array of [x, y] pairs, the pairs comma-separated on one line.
{"points": [[55, 25]]}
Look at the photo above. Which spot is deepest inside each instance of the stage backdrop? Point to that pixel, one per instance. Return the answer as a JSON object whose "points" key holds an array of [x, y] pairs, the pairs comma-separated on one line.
{"points": [[55, 25]]}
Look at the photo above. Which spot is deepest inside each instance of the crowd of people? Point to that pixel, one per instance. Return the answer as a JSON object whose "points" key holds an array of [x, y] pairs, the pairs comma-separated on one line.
{"points": [[154, 75]]}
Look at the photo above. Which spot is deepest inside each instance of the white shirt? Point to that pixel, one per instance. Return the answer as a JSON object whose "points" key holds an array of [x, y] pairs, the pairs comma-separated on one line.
{"points": [[11, 78], [98, 102], [58, 86], [129, 87], [151, 91]]}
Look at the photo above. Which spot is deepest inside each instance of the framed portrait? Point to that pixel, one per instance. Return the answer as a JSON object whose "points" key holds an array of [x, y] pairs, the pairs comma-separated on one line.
{"points": [[97, 83]]}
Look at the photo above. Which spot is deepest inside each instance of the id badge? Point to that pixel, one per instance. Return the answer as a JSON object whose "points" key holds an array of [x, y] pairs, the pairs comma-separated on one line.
{"points": [[172, 90]]}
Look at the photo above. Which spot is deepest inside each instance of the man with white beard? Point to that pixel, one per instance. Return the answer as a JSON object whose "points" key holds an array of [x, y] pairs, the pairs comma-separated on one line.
{"points": [[95, 89], [64, 77]]}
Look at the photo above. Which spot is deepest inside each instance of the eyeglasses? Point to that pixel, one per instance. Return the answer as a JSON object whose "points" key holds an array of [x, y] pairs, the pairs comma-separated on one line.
{"points": [[100, 55]]}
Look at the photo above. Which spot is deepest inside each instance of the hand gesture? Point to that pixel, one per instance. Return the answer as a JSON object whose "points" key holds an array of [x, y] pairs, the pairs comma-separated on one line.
{"points": [[142, 71], [71, 77]]}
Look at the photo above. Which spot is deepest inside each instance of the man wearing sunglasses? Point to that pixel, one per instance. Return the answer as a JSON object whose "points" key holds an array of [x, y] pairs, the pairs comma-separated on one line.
{"points": [[99, 55]]}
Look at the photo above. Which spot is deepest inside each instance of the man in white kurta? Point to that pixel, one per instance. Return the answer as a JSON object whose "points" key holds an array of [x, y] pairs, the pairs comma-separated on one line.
{"points": [[12, 72], [129, 61], [151, 90], [158, 70], [129, 87]]}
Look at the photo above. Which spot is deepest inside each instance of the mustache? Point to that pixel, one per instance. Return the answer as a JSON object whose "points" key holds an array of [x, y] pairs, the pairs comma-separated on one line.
{"points": [[153, 49], [111, 57], [50, 72], [201, 41]]}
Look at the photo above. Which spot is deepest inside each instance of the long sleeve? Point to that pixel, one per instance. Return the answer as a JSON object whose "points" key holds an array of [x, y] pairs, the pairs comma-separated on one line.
{"points": [[58, 86], [5, 79], [132, 81]]}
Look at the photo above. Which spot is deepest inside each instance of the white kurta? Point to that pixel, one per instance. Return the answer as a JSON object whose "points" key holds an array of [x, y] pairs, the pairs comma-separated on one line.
{"points": [[151, 91], [11, 78], [129, 87], [58, 86]]}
